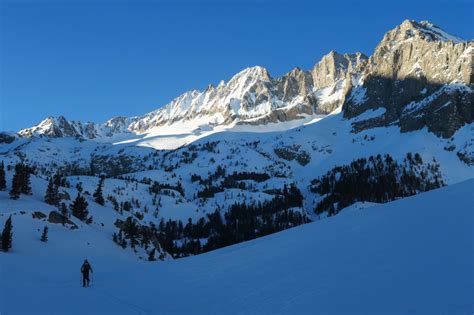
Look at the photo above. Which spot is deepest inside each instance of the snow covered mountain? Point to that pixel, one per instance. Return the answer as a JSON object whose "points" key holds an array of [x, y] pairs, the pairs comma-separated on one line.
{"points": [[418, 74], [251, 96], [334, 149]]}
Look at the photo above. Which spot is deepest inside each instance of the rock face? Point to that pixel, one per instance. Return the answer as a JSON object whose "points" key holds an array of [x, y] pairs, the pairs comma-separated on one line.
{"points": [[421, 76], [252, 96], [57, 218], [61, 127]]}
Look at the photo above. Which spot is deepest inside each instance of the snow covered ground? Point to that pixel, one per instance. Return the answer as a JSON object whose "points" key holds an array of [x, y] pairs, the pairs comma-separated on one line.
{"points": [[415, 256]]}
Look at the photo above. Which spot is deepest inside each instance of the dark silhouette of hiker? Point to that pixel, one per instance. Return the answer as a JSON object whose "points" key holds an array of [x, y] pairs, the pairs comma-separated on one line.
{"points": [[85, 269]]}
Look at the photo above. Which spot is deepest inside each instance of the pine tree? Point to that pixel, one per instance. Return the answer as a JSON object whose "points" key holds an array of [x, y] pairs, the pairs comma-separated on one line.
{"points": [[64, 212], [21, 181], [122, 240], [79, 187], [57, 179], [44, 236], [16, 185], [7, 235], [79, 208], [151, 255], [52, 194], [3, 183], [25, 179], [89, 220], [98, 196]]}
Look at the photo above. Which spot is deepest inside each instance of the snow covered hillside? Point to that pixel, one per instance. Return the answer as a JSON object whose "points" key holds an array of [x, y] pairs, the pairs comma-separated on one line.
{"points": [[167, 189], [321, 159], [409, 256]]}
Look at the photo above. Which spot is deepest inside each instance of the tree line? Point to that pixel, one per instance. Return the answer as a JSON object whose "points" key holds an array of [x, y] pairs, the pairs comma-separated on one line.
{"points": [[240, 223], [376, 179]]}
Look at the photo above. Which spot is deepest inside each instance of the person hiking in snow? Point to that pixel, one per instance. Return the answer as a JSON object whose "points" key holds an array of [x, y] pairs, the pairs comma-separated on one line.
{"points": [[85, 269]]}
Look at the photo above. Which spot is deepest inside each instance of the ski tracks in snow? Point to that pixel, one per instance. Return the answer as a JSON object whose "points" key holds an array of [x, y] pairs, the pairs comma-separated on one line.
{"points": [[137, 309]]}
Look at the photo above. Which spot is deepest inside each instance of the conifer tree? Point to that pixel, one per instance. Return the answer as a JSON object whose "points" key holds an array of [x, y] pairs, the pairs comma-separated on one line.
{"points": [[89, 220], [98, 196], [7, 235], [44, 236], [151, 255], [60, 180], [21, 181], [121, 239], [52, 194], [79, 187], [3, 183], [63, 209], [25, 179], [16, 185], [79, 208]]}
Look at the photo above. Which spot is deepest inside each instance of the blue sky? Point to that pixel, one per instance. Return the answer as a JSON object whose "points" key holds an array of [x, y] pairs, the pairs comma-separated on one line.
{"points": [[92, 60]]}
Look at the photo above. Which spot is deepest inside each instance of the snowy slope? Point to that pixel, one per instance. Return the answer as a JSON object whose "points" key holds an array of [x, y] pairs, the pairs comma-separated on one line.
{"points": [[328, 142], [410, 256]]}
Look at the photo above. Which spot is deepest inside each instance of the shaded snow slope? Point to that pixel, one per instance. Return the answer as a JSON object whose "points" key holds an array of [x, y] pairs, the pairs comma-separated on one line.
{"points": [[410, 256]]}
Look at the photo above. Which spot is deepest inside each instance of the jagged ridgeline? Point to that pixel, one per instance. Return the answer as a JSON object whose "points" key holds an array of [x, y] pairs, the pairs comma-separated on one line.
{"points": [[376, 179], [419, 74]]}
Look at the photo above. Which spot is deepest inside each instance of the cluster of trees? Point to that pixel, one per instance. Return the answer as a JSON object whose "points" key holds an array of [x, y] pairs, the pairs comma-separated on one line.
{"points": [[127, 205], [132, 233], [210, 146], [209, 191], [6, 237], [52, 193], [156, 187], [258, 177], [233, 180], [211, 178], [174, 160], [376, 179], [188, 158], [242, 222], [79, 205]]}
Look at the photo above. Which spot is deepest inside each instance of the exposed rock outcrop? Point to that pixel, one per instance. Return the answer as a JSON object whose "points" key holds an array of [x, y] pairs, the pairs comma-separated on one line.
{"points": [[422, 76], [251, 96]]}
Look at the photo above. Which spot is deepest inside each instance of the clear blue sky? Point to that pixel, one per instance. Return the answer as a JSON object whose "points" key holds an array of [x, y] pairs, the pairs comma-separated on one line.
{"points": [[92, 60]]}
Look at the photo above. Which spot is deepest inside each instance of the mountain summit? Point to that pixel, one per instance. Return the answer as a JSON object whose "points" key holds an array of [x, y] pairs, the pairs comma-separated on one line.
{"points": [[415, 65]]}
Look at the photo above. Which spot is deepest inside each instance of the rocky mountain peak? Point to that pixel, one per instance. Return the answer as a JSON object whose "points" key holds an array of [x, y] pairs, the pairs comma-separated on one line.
{"points": [[250, 75], [295, 72], [411, 30], [335, 66], [414, 61], [421, 76], [51, 126]]}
